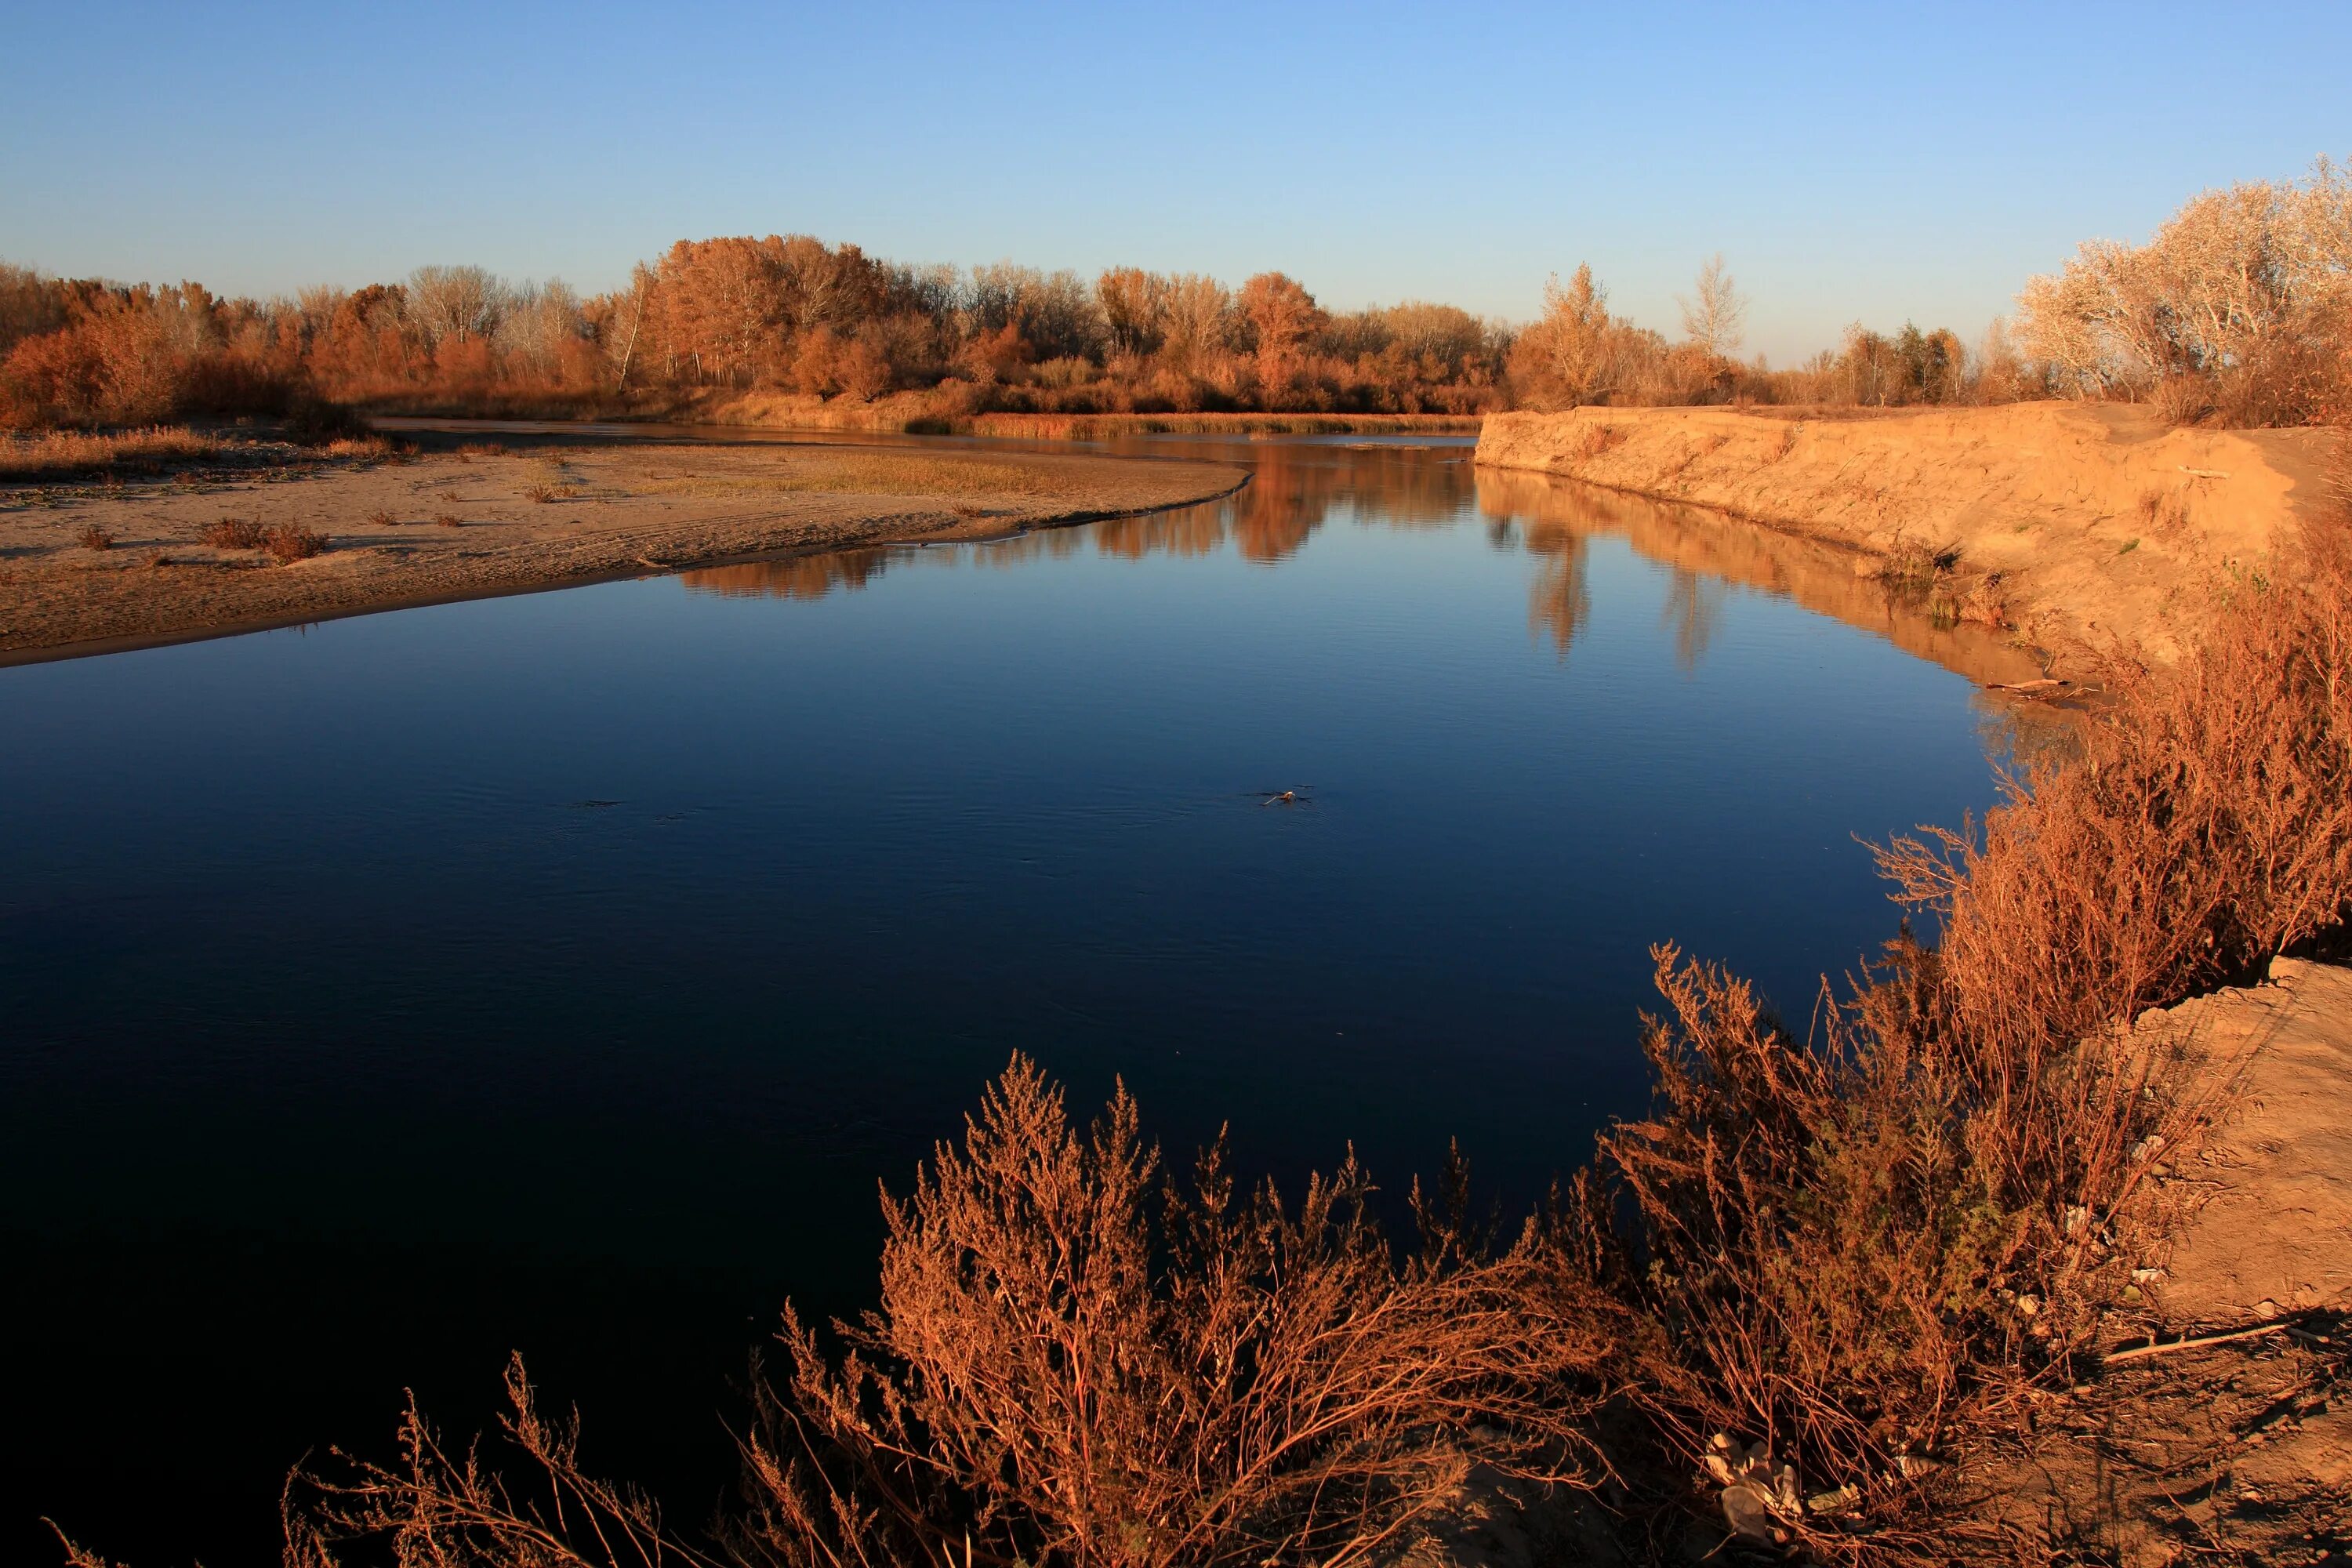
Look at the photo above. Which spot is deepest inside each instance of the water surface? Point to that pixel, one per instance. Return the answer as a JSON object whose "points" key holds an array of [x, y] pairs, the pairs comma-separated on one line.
{"points": [[562, 971]]}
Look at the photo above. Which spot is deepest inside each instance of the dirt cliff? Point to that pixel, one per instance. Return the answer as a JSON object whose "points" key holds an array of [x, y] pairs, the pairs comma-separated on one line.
{"points": [[2093, 531]]}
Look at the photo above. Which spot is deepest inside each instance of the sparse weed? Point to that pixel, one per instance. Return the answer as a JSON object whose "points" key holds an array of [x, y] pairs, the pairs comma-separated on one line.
{"points": [[93, 537], [235, 533], [290, 542]]}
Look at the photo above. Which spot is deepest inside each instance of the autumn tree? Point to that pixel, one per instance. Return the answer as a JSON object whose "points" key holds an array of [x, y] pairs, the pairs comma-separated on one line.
{"points": [[1569, 356], [2240, 304], [1284, 320]]}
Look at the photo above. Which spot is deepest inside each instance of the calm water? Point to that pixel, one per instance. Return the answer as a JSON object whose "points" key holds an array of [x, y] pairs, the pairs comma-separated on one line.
{"points": [[562, 973]]}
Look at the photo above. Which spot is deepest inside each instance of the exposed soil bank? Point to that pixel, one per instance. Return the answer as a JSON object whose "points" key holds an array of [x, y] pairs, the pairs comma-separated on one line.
{"points": [[2244, 1441], [455, 525], [2095, 530]]}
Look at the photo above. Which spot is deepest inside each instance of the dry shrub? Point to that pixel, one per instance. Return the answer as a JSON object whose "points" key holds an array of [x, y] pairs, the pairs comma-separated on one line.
{"points": [[448, 519], [235, 533], [382, 519], [442, 1510], [93, 537], [1856, 1251], [481, 449], [1075, 1362], [291, 541], [546, 494], [1037, 1386]]}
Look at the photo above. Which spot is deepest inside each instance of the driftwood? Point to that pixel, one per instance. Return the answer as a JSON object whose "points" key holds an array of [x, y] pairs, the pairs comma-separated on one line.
{"points": [[2138, 1352]]}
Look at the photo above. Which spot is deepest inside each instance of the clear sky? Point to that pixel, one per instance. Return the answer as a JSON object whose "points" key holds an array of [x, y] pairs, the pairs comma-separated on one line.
{"points": [[1877, 161]]}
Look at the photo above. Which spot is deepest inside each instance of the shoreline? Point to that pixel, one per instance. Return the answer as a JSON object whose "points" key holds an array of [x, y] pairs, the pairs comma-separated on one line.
{"points": [[2094, 533], [615, 509]]}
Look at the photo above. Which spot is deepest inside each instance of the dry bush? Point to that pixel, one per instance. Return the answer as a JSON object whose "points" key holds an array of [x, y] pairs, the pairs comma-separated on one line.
{"points": [[93, 537], [481, 449], [235, 533], [448, 519], [546, 494], [1074, 1363], [382, 519], [436, 1509], [1855, 1251], [1038, 1387], [291, 541]]}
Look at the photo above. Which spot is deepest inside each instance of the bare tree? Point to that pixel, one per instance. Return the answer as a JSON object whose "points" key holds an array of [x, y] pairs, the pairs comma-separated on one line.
{"points": [[458, 302], [1713, 316]]}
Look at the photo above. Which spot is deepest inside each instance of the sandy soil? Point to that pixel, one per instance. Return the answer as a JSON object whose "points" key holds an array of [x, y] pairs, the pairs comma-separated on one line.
{"points": [[2238, 1450], [450, 524], [2094, 531]]}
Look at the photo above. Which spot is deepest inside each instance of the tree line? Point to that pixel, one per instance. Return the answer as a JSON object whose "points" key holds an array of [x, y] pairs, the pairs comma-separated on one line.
{"points": [[2240, 308]]}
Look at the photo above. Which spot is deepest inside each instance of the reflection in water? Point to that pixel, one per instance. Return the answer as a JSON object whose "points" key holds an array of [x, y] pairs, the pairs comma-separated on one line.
{"points": [[1709, 552], [1559, 600], [1296, 487], [792, 577], [1694, 605]]}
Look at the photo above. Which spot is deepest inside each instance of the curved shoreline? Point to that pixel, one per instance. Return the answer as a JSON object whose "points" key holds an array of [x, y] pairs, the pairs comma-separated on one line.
{"points": [[622, 509]]}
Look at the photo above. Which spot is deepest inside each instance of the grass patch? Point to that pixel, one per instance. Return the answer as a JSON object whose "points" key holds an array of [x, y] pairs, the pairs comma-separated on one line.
{"points": [[93, 537]]}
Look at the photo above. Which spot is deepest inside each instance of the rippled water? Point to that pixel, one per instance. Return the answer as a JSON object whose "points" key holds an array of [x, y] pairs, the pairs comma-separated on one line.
{"points": [[562, 973]]}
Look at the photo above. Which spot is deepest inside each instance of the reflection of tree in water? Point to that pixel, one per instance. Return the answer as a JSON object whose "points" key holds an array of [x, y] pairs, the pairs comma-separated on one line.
{"points": [[1293, 489], [1558, 600], [1693, 608], [798, 577]]}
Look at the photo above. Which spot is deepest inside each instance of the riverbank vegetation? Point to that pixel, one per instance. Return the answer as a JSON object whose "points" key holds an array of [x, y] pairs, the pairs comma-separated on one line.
{"points": [[1814, 1279], [2238, 309]]}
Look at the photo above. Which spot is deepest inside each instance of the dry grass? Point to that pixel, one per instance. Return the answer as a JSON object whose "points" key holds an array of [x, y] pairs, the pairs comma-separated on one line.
{"points": [[93, 537], [63, 454], [382, 519], [448, 519], [876, 474]]}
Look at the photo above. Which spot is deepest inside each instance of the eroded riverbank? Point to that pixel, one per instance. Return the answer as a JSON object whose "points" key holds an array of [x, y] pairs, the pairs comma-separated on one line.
{"points": [[2093, 531]]}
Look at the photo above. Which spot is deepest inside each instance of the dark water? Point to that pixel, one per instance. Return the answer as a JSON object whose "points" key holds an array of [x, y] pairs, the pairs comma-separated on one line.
{"points": [[562, 973]]}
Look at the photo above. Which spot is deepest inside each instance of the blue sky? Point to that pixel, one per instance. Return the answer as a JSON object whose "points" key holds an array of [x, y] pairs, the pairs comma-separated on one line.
{"points": [[1873, 161]]}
